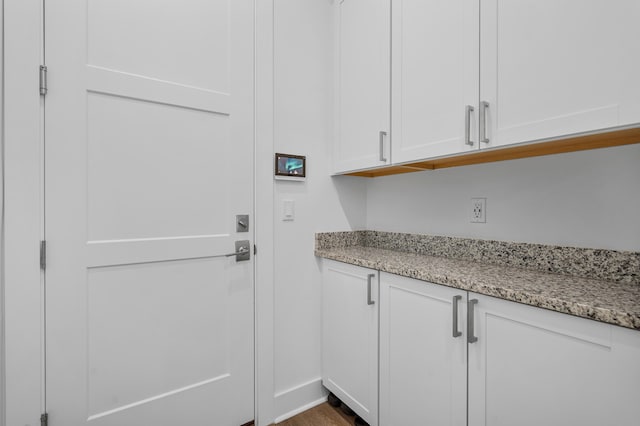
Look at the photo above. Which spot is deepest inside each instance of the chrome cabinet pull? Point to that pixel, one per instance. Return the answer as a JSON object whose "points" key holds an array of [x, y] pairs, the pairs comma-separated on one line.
{"points": [[382, 136], [369, 279], [471, 338], [484, 106], [456, 332], [467, 126]]}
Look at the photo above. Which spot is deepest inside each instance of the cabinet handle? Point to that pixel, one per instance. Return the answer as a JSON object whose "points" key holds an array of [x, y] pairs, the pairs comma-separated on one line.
{"points": [[471, 338], [484, 106], [467, 126], [369, 278], [382, 135], [456, 332]]}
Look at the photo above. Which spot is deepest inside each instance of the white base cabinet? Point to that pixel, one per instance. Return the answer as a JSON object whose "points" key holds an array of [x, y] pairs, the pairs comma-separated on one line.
{"points": [[350, 336], [532, 367], [423, 353], [455, 358]]}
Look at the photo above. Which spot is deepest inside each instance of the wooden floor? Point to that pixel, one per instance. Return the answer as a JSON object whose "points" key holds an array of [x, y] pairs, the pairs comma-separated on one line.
{"points": [[321, 415]]}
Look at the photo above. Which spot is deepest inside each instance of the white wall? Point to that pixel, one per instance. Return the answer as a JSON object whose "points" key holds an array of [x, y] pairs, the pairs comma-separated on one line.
{"points": [[303, 97], [583, 199]]}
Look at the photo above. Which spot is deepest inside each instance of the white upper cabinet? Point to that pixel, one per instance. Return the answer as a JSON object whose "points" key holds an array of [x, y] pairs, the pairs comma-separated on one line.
{"points": [[435, 80], [551, 68], [476, 74], [362, 82]]}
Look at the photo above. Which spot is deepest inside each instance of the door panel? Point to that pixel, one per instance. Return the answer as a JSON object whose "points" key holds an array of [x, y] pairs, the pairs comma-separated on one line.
{"points": [[362, 84], [551, 68], [141, 160], [533, 367], [423, 378], [186, 42], [350, 336], [149, 148], [435, 75]]}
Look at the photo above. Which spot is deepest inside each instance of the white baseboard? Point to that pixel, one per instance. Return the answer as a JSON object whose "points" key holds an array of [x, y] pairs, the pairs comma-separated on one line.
{"points": [[300, 398]]}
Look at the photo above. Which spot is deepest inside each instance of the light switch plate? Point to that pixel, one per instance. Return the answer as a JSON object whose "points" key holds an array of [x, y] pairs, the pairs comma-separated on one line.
{"points": [[288, 210]]}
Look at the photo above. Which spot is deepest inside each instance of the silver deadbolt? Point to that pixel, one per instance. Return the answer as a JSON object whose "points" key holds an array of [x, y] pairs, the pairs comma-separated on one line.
{"points": [[242, 223]]}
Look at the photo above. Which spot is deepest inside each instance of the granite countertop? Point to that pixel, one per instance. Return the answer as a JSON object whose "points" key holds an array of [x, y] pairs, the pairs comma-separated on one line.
{"points": [[607, 301]]}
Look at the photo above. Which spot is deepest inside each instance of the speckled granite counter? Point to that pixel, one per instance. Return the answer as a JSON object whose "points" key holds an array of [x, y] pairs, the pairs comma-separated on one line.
{"points": [[613, 302]]}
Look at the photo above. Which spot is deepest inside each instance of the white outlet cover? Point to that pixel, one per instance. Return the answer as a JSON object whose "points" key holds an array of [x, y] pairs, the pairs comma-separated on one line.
{"points": [[478, 210]]}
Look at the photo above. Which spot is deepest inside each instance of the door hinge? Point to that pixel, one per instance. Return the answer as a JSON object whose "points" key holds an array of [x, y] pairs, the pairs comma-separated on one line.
{"points": [[255, 249], [43, 255], [44, 420], [43, 80]]}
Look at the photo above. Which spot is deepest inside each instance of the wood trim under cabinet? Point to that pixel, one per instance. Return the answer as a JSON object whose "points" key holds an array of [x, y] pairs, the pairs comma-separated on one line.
{"points": [[570, 144]]}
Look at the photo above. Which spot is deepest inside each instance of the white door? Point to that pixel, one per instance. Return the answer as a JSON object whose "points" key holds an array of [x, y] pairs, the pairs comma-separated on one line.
{"points": [[532, 367], [363, 36], [149, 153], [435, 78], [423, 353], [551, 68], [350, 336]]}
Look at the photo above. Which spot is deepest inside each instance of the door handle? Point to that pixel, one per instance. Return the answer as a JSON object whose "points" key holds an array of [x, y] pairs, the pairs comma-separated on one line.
{"points": [[456, 332], [484, 106], [467, 125], [471, 338], [382, 156], [369, 279], [242, 251]]}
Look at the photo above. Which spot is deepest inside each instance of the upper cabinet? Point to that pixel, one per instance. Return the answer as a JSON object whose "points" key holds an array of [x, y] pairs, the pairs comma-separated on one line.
{"points": [[435, 80], [468, 75], [362, 79], [551, 68]]}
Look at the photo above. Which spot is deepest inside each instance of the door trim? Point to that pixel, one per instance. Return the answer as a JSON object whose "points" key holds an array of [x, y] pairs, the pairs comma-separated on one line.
{"points": [[23, 285], [264, 213]]}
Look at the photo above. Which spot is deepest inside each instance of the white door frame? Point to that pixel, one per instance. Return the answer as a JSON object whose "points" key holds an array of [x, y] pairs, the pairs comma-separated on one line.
{"points": [[264, 216], [22, 215], [21, 284]]}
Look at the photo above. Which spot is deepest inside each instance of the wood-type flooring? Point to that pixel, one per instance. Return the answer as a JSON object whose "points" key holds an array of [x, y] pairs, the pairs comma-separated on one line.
{"points": [[321, 415]]}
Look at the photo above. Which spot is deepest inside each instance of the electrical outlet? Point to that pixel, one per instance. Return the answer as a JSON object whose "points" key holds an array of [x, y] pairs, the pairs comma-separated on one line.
{"points": [[478, 210]]}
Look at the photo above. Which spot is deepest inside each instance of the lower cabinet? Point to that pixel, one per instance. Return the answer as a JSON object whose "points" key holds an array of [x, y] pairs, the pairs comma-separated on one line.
{"points": [[448, 357], [532, 367], [423, 353], [455, 358], [350, 336]]}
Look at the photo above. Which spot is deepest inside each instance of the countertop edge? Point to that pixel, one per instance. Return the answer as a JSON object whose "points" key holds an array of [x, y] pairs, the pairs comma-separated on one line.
{"points": [[566, 306]]}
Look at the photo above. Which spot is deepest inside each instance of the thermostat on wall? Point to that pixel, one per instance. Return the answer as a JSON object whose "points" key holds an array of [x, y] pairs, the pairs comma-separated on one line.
{"points": [[290, 167]]}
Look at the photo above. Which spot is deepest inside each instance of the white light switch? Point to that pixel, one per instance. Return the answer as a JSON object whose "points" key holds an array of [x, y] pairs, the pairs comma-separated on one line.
{"points": [[288, 210]]}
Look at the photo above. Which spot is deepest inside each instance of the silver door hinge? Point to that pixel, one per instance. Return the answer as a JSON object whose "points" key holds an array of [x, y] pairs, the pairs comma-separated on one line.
{"points": [[43, 80], [255, 249], [43, 255], [44, 420]]}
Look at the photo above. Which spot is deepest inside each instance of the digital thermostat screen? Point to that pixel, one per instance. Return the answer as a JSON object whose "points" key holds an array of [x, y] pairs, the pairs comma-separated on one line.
{"points": [[291, 165]]}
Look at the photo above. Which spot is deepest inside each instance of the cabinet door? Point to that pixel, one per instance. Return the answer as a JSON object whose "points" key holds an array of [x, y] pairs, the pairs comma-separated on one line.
{"points": [[435, 63], [532, 367], [557, 67], [350, 336], [423, 366], [362, 84]]}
